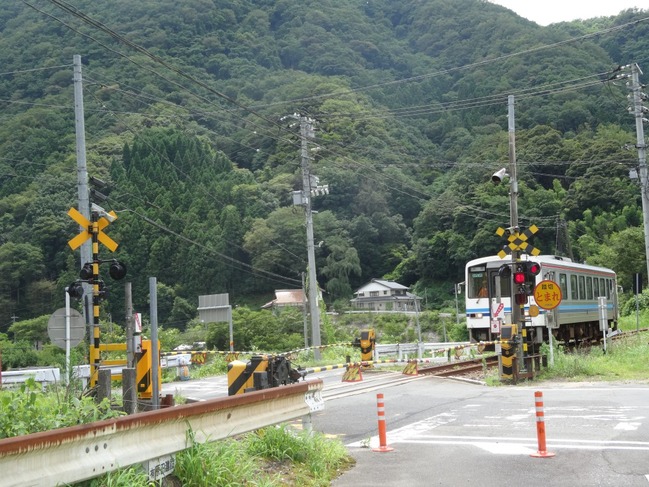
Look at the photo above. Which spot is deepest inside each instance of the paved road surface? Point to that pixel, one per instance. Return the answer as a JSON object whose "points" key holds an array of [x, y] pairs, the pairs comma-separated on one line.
{"points": [[449, 433]]}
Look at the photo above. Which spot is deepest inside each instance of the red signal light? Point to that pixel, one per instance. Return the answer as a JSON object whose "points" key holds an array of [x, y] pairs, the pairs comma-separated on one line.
{"points": [[519, 274], [519, 278], [533, 268]]}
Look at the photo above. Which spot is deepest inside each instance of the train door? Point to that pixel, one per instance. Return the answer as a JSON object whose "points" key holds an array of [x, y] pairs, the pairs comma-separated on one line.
{"points": [[499, 298]]}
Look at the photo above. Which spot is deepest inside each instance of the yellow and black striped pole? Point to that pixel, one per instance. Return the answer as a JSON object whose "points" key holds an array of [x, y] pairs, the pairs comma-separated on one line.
{"points": [[95, 353]]}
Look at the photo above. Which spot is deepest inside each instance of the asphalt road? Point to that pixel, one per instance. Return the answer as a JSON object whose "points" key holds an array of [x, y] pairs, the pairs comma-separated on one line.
{"points": [[448, 433]]}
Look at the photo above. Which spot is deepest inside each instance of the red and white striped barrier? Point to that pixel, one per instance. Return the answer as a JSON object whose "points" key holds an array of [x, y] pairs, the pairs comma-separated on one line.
{"points": [[540, 427], [383, 446]]}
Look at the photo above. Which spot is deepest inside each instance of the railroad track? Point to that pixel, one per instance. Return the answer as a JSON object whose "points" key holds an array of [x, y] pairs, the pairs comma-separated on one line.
{"points": [[381, 380], [465, 367], [369, 383]]}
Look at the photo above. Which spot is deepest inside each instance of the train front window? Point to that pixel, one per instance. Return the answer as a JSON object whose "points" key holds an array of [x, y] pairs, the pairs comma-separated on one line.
{"points": [[477, 285], [505, 284]]}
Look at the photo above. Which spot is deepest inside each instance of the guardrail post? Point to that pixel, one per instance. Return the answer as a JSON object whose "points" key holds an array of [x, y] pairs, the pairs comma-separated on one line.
{"points": [[383, 446], [129, 391], [540, 427], [307, 424], [103, 385]]}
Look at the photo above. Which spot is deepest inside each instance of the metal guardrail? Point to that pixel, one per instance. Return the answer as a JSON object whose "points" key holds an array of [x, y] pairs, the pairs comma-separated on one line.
{"points": [[86, 451], [407, 349], [43, 375]]}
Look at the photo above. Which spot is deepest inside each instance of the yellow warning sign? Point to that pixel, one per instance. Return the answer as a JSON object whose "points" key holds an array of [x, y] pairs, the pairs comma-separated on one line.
{"points": [[411, 368], [352, 374]]}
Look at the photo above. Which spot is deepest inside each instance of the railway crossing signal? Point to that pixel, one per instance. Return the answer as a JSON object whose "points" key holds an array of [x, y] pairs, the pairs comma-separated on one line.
{"points": [[524, 277], [89, 273], [520, 277], [518, 242], [89, 229]]}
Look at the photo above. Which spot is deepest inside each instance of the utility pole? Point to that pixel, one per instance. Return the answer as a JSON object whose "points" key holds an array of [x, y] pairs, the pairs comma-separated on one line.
{"points": [[310, 188], [638, 111], [303, 198], [82, 171], [307, 132]]}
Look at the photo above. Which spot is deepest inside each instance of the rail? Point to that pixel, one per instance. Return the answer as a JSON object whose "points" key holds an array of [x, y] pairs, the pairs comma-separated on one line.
{"points": [[86, 451]]}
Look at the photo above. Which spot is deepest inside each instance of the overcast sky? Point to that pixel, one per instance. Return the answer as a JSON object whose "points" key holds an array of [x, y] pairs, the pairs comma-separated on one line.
{"points": [[545, 12]]}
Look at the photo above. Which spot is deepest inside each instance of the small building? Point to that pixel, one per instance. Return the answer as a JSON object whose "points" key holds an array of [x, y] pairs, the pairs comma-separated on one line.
{"points": [[285, 298], [382, 295]]}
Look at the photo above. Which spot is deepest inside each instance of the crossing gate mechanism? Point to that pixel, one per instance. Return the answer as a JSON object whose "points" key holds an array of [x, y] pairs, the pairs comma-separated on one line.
{"points": [[509, 337], [144, 368], [366, 344], [261, 372]]}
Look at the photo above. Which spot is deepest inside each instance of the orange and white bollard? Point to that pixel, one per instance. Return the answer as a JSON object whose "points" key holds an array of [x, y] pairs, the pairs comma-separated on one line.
{"points": [[540, 427], [383, 446]]}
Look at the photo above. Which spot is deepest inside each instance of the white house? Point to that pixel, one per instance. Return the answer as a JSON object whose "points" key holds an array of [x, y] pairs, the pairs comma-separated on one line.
{"points": [[382, 295]]}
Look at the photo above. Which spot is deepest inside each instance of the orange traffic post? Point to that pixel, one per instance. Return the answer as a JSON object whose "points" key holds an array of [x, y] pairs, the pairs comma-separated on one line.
{"points": [[383, 446], [540, 427]]}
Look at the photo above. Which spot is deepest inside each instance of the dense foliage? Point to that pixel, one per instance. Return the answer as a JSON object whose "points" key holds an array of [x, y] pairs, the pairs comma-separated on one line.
{"points": [[29, 410], [186, 126]]}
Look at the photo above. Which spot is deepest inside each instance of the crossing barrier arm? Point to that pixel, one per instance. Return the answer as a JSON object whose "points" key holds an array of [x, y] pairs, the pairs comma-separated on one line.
{"points": [[77, 453]]}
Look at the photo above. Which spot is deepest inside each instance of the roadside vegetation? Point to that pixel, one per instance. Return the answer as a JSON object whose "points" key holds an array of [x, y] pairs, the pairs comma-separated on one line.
{"points": [[626, 358], [283, 455], [269, 457]]}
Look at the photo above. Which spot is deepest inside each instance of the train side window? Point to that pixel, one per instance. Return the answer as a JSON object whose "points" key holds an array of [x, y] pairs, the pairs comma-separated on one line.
{"points": [[582, 287], [573, 288], [589, 288], [563, 284], [596, 288], [608, 288], [603, 286]]}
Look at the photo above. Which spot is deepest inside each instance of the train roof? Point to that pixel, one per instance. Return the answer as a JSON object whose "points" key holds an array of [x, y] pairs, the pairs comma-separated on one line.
{"points": [[543, 259]]}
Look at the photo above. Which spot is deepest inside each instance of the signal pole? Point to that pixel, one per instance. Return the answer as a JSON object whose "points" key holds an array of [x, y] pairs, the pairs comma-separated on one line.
{"points": [[517, 310]]}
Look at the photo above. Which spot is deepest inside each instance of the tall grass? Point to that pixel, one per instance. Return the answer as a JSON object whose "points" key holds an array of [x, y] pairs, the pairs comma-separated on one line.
{"points": [[270, 457], [626, 358]]}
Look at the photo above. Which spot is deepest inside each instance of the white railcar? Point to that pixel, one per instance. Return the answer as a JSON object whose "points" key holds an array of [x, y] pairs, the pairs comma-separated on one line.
{"points": [[576, 319]]}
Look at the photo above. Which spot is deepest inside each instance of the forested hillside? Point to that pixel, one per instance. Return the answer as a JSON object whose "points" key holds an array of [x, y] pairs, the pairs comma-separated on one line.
{"points": [[190, 119]]}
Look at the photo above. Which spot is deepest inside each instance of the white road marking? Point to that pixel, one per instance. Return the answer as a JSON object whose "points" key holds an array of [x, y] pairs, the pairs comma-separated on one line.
{"points": [[422, 432], [508, 446]]}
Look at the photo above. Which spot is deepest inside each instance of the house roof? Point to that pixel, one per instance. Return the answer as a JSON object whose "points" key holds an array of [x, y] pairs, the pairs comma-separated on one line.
{"points": [[379, 284], [390, 284], [406, 297], [287, 297]]}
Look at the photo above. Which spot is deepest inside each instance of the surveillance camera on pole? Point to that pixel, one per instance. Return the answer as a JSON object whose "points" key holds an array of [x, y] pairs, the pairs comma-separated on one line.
{"points": [[499, 175], [103, 213]]}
